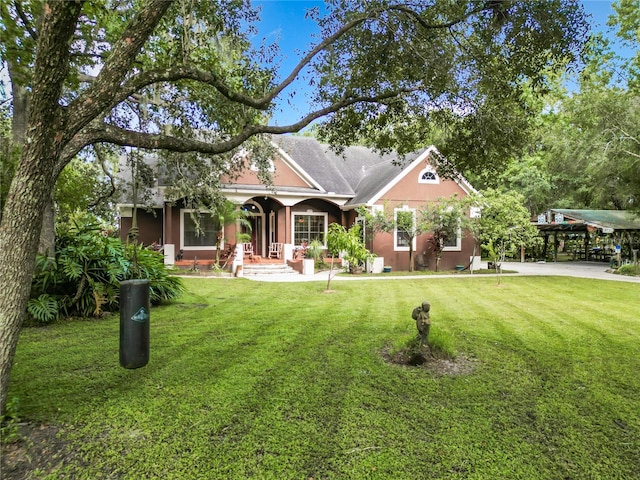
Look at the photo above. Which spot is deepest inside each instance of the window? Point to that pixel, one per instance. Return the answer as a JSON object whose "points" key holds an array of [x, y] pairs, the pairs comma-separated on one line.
{"points": [[405, 221], [200, 234], [453, 243], [428, 175], [308, 227]]}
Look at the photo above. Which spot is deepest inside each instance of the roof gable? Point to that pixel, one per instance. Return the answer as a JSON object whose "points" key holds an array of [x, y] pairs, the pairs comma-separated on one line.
{"points": [[358, 171], [386, 179]]}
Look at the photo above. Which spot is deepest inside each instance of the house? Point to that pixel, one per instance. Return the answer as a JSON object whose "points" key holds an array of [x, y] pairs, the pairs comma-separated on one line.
{"points": [[313, 187]]}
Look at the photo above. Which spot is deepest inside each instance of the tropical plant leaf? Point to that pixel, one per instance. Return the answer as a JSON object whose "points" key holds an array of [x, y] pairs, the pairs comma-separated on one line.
{"points": [[43, 309]]}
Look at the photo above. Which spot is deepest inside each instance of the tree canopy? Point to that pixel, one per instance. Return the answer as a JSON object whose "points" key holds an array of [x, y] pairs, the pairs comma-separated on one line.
{"points": [[585, 146]]}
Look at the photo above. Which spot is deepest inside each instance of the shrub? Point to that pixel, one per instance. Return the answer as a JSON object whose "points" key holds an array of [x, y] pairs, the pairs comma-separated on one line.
{"points": [[339, 239], [83, 278], [629, 269], [315, 251]]}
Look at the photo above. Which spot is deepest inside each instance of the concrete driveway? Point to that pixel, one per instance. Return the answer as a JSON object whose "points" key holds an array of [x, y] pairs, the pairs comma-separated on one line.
{"points": [[597, 270]]}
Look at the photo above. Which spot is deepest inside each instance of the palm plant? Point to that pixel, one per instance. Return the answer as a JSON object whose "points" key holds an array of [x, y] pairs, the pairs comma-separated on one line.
{"points": [[227, 213]]}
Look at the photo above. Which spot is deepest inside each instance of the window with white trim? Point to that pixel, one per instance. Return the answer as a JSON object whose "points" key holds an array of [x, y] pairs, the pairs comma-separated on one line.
{"points": [[453, 243], [428, 175], [200, 233], [405, 222], [309, 226]]}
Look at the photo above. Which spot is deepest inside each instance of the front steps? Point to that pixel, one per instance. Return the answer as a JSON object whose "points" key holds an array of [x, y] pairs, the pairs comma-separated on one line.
{"points": [[267, 269]]}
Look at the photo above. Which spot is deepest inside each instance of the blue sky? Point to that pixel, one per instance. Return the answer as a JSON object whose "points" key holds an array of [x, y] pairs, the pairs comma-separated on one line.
{"points": [[283, 21]]}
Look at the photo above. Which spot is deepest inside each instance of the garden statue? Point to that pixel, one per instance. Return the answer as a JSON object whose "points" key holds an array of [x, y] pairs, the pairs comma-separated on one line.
{"points": [[421, 316]]}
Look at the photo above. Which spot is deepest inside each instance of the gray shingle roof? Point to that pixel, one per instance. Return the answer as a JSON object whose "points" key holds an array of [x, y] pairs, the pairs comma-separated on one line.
{"points": [[311, 156], [358, 171]]}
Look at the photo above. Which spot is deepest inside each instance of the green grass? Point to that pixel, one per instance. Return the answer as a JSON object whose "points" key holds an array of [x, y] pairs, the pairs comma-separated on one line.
{"points": [[278, 381]]}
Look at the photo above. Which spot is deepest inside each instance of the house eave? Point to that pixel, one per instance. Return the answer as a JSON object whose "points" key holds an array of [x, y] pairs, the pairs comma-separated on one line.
{"points": [[295, 166], [284, 196]]}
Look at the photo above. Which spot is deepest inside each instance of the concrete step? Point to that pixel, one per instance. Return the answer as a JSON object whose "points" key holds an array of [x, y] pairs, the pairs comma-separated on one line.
{"points": [[267, 269]]}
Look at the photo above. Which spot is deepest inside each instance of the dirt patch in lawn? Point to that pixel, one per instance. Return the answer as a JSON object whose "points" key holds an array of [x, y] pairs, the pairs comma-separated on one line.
{"points": [[435, 362], [38, 451]]}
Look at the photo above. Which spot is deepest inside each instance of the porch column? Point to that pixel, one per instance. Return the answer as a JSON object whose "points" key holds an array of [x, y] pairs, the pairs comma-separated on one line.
{"points": [[168, 223], [169, 247], [287, 225]]}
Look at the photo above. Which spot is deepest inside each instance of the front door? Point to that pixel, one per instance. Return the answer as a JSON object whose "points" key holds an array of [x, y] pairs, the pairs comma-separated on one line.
{"points": [[257, 233]]}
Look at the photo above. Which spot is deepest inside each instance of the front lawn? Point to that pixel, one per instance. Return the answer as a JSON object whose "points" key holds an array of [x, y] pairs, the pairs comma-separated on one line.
{"points": [[278, 381]]}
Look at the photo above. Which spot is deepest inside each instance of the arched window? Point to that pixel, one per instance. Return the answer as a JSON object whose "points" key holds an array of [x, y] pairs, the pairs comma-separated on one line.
{"points": [[428, 175]]}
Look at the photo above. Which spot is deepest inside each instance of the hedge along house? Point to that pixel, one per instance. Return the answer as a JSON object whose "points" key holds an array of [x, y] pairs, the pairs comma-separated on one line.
{"points": [[312, 188]]}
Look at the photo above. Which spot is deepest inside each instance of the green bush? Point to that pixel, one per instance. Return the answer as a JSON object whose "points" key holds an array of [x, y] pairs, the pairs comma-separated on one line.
{"points": [[315, 251], [83, 278], [629, 269]]}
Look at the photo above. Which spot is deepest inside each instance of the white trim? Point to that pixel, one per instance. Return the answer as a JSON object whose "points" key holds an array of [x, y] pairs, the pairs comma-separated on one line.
{"points": [[308, 179], [429, 169], [397, 248], [458, 177], [310, 213], [458, 245], [259, 208], [425, 157], [272, 227], [287, 199], [190, 248]]}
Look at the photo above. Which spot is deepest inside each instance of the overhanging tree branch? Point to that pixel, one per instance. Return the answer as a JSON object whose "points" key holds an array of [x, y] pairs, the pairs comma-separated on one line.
{"points": [[99, 96], [438, 26], [25, 20], [112, 181], [102, 132], [187, 72]]}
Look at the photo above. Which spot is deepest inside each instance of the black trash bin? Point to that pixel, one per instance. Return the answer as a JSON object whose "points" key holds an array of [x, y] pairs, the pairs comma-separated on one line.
{"points": [[134, 323]]}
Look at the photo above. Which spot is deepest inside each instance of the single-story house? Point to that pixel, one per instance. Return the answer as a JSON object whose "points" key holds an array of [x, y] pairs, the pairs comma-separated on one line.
{"points": [[313, 187]]}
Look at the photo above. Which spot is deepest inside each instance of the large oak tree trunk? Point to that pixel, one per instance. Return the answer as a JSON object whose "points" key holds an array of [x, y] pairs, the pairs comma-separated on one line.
{"points": [[34, 179], [51, 138], [19, 236], [47, 243]]}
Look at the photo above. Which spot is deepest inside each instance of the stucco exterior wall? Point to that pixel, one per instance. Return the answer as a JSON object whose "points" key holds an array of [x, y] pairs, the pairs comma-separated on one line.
{"points": [[411, 193], [283, 175]]}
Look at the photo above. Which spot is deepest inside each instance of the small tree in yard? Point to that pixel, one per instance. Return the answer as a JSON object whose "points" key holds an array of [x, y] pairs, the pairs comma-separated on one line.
{"points": [[444, 218], [336, 243], [408, 228], [349, 242], [505, 225]]}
